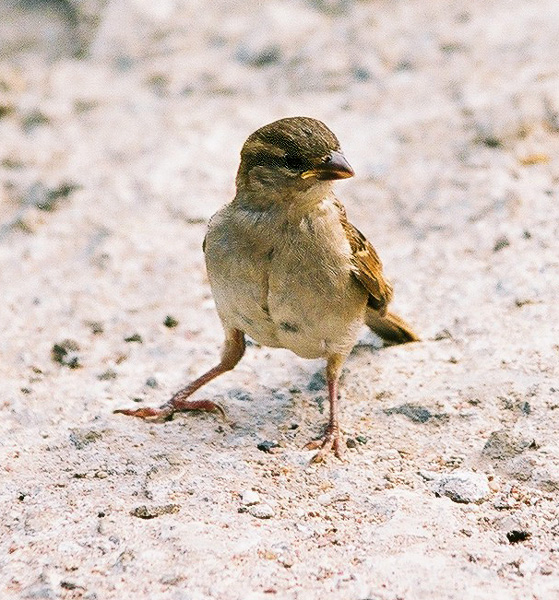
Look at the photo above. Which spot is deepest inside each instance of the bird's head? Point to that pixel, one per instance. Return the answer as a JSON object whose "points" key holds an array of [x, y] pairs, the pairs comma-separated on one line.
{"points": [[291, 159]]}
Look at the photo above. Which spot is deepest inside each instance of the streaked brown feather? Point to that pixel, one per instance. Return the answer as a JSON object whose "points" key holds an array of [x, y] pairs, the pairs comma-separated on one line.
{"points": [[367, 266]]}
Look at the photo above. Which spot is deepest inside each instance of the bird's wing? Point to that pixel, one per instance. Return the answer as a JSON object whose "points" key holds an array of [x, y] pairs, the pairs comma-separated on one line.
{"points": [[366, 264]]}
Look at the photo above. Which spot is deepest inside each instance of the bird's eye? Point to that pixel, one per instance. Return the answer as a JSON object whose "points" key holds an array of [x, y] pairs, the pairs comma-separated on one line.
{"points": [[294, 163]]}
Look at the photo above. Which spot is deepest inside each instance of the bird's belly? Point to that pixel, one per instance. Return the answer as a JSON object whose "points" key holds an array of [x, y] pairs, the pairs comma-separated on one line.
{"points": [[289, 286], [311, 319], [242, 304], [315, 321]]}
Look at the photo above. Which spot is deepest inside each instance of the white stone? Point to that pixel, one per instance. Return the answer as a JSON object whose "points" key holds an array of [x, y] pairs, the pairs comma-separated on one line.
{"points": [[261, 511], [463, 486], [250, 497]]}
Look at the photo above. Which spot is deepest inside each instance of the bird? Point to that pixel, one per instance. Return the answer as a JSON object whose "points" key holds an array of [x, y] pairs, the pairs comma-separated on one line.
{"points": [[288, 270]]}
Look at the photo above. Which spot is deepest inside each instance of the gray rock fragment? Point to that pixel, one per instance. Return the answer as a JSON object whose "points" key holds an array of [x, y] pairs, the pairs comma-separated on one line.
{"points": [[418, 414], [261, 511], [547, 479], [463, 487], [505, 444], [151, 512], [520, 468], [83, 437]]}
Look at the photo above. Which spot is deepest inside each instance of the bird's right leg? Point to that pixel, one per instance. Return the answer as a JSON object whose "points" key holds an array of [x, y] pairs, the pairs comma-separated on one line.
{"points": [[231, 354], [332, 439]]}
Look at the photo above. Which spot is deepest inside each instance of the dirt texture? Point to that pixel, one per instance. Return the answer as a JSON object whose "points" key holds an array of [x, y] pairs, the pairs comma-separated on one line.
{"points": [[120, 129]]}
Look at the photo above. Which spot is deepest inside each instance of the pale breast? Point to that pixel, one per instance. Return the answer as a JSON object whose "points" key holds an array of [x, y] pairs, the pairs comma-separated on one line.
{"points": [[238, 263], [286, 284], [313, 296]]}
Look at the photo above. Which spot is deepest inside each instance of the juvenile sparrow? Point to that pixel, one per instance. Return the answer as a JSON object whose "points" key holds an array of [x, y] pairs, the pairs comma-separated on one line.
{"points": [[287, 268]]}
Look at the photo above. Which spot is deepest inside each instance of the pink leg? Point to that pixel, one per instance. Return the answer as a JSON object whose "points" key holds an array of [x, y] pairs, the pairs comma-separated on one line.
{"points": [[232, 352], [331, 439]]}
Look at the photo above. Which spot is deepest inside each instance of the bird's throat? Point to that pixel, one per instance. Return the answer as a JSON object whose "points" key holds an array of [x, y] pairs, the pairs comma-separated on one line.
{"points": [[294, 203]]}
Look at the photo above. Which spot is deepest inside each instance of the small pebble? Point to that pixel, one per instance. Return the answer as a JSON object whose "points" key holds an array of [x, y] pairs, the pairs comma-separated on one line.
{"points": [[151, 512], [494, 484], [170, 322], [463, 487], [418, 414], [135, 337], [69, 585], [501, 243], [65, 353], [258, 57], [261, 511], [250, 497], [96, 327], [489, 140], [5, 110], [361, 74], [107, 375], [267, 446], [518, 535], [83, 437], [33, 119], [287, 560], [504, 444]]}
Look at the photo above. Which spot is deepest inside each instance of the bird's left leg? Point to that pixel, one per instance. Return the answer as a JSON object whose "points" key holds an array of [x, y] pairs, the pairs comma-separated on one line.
{"points": [[231, 354], [331, 439]]}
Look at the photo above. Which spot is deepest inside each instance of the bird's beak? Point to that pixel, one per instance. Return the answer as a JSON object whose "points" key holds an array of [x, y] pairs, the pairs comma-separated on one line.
{"points": [[334, 166]]}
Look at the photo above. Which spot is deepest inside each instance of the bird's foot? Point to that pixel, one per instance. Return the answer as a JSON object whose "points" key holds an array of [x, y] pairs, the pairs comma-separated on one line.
{"points": [[155, 415], [166, 411], [330, 441]]}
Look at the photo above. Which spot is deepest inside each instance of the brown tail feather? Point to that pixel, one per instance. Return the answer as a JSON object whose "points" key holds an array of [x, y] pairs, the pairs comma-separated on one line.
{"points": [[391, 328]]}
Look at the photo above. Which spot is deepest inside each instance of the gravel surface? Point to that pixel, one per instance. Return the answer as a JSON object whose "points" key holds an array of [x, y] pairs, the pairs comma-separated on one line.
{"points": [[120, 128]]}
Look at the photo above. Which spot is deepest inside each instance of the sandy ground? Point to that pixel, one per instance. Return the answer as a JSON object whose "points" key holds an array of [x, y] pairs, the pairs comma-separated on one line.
{"points": [[120, 127]]}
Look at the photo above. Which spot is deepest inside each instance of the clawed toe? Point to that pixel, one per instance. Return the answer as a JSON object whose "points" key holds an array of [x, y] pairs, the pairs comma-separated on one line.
{"points": [[166, 412], [155, 415], [204, 405], [330, 441]]}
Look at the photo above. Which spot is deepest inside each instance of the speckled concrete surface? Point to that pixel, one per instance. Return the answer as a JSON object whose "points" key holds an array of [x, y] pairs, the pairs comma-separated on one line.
{"points": [[120, 128]]}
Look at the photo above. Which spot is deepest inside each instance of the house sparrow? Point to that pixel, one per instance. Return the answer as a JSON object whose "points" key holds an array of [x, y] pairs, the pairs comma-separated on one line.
{"points": [[287, 268]]}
